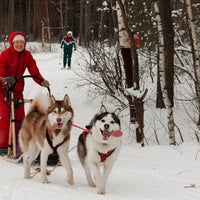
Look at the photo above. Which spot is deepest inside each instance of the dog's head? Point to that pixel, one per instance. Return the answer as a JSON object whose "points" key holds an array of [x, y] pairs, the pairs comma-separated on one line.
{"points": [[106, 124], [60, 113]]}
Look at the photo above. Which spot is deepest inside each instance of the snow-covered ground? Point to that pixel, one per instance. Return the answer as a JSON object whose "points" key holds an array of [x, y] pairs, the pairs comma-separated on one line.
{"points": [[154, 172]]}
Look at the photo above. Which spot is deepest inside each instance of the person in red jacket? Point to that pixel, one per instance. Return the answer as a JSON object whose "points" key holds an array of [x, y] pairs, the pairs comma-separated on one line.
{"points": [[13, 62]]}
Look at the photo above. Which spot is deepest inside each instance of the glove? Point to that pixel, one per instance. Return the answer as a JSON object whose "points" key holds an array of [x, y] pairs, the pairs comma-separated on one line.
{"points": [[45, 83], [8, 82]]}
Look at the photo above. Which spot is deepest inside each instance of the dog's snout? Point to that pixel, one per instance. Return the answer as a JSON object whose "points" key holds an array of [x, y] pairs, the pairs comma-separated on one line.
{"points": [[59, 119], [106, 126]]}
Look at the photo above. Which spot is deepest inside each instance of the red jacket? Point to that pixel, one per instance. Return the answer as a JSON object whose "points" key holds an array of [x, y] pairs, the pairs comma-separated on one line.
{"points": [[13, 63]]}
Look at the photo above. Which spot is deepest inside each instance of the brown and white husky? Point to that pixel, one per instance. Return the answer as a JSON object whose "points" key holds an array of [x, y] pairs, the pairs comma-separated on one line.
{"points": [[100, 146], [46, 129]]}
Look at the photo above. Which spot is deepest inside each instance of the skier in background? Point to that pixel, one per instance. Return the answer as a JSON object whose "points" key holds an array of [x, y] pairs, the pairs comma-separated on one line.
{"points": [[68, 43]]}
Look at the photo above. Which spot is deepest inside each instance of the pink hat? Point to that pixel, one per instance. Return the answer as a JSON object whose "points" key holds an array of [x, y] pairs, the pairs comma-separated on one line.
{"points": [[18, 37]]}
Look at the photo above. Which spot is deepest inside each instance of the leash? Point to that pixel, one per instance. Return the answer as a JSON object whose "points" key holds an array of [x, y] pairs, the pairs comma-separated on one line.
{"points": [[84, 129]]}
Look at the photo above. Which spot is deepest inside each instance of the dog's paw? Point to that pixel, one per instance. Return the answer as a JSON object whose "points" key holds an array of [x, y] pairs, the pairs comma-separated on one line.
{"points": [[70, 180], [45, 181], [92, 184], [101, 192], [27, 177]]}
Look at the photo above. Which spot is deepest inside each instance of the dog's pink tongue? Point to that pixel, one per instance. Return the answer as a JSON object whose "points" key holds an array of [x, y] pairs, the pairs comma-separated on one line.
{"points": [[53, 128], [117, 133]]}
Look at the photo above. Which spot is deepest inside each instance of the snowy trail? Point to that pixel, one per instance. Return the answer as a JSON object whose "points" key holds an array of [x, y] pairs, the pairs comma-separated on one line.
{"points": [[148, 173], [140, 173]]}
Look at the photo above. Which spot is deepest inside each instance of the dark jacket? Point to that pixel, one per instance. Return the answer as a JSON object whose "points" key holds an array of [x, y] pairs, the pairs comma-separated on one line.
{"points": [[68, 43]]}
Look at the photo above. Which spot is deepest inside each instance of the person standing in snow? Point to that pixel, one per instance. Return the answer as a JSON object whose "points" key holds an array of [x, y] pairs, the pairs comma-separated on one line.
{"points": [[68, 43], [13, 62]]}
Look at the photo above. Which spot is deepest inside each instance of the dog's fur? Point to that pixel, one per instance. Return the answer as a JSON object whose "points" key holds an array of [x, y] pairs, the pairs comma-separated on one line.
{"points": [[100, 148], [47, 118]]}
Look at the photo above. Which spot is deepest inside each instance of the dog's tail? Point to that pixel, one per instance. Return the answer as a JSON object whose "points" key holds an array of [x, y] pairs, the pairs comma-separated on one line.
{"points": [[40, 104]]}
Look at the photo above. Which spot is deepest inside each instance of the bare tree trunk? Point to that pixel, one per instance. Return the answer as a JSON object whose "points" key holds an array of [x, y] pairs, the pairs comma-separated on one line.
{"points": [[61, 18], [81, 32], [101, 25], [87, 15], [28, 17], [127, 41], [115, 21], [159, 97], [11, 12], [195, 54], [168, 35], [66, 14], [129, 53], [162, 71], [48, 24]]}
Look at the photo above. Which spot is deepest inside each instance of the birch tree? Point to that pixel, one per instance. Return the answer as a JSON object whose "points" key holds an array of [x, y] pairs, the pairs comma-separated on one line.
{"points": [[162, 73], [195, 54], [131, 66], [128, 48]]}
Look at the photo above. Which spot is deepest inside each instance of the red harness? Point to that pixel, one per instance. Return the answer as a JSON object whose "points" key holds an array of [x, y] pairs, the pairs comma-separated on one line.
{"points": [[103, 156]]}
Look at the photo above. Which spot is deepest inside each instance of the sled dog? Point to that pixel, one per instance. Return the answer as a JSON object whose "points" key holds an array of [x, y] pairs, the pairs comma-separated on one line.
{"points": [[46, 129], [100, 145]]}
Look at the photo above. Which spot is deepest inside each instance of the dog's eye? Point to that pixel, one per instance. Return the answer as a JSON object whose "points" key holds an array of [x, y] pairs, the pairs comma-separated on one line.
{"points": [[103, 120], [112, 122], [62, 110]]}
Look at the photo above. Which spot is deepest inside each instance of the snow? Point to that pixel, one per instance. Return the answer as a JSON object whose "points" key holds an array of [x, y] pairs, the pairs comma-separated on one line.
{"points": [[154, 172]]}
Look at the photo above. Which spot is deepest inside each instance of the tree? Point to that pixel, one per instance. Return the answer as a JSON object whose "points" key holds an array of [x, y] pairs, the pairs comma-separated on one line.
{"points": [[131, 66], [168, 36], [11, 15], [162, 11], [195, 54]]}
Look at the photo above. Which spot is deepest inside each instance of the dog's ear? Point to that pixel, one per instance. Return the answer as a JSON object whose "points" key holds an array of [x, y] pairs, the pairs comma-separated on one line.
{"points": [[109, 108], [117, 111], [67, 100], [103, 109], [89, 127], [52, 99]]}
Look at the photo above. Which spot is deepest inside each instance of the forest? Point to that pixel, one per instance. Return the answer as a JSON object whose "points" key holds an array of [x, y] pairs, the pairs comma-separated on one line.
{"points": [[88, 19], [168, 33]]}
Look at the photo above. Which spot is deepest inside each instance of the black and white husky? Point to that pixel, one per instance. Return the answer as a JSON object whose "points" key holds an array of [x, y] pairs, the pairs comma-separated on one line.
{"points": [[100, 145]]}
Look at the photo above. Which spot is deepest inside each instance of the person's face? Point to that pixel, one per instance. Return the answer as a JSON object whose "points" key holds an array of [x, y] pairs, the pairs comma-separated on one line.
{"points": [[69, 35], [18, 45]]}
